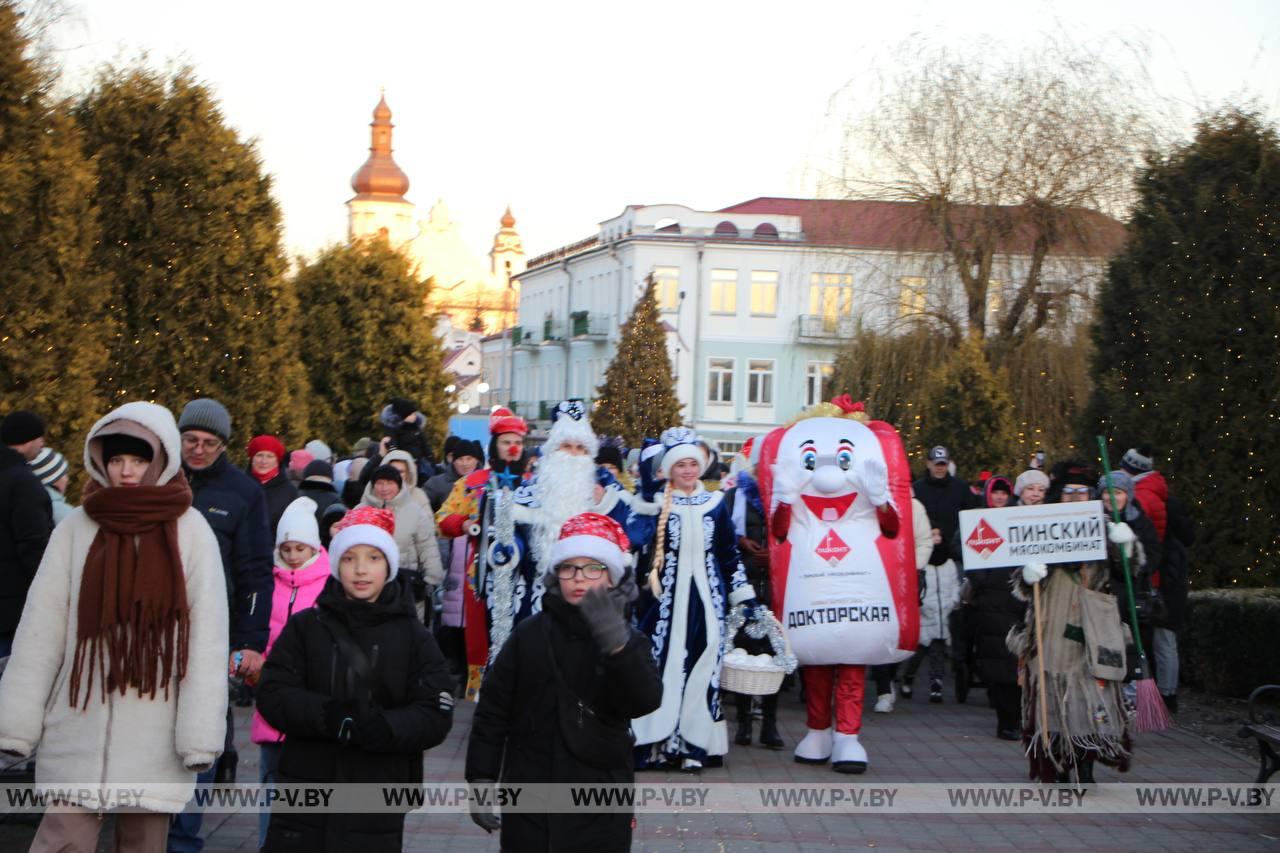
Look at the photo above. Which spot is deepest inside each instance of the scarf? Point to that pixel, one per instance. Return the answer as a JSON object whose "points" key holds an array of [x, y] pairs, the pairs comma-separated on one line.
{"points": [[133, 612], [266, 477]]}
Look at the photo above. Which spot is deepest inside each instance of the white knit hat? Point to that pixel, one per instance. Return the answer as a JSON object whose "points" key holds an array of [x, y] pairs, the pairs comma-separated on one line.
{"points": [[366, 525], [1030, 477], [298, 524], [571, 425], [682, 443], [590, 534]]}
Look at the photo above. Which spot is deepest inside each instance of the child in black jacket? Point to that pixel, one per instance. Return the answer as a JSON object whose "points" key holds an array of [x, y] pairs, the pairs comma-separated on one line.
{"points": [[360, 689], [581, 643]]}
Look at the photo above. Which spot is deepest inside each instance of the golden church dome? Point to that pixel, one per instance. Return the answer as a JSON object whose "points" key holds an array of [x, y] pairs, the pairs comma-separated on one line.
{"points": [[380, 176]]}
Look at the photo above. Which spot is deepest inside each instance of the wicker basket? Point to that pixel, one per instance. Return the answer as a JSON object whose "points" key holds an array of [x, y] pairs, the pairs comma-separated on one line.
{"points": [[755, 682]]}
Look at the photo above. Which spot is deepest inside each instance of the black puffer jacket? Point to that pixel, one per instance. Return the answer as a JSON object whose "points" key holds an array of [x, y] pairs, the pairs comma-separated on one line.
{"points": [[993, 611], [26, 520], [943, 499], [320, 491], [516, 728], [407, 709], [280, 492]]}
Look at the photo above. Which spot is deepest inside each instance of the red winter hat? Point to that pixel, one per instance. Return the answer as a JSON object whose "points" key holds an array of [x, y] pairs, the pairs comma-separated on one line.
{"points": [[590, 534], [366, 525], [504, 420], [269, 444]]}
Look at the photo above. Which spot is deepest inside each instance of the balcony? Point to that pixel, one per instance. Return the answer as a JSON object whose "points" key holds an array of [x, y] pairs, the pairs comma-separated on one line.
{"points": [[553, 331], [585, 325], [825, 328], [522, 338]]}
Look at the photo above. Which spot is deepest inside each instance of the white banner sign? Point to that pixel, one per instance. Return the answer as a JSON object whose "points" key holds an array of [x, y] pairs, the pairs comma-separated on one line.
{"points": [[1015, 536]]}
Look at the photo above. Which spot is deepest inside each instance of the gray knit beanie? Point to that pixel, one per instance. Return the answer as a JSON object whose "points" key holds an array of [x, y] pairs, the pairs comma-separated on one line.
{"points": [[208, 415]]}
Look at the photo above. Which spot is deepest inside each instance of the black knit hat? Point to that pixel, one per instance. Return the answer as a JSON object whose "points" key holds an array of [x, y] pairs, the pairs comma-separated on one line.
{"points": [[317, 468], [21, 427], [118, 444], [387, 472], [609, 455], [463, 447]]}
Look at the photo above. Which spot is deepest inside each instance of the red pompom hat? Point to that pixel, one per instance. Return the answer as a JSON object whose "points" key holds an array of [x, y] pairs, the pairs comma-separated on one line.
{"points": [[366, 525], [590, 534], [504, 420]]}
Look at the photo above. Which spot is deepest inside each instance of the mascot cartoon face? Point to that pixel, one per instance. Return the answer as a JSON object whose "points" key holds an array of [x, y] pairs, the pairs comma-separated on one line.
{"points": [[826, 459]]}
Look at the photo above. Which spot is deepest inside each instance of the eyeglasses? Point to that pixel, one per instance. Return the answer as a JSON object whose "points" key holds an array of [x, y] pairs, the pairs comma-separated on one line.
{"points": [[590, 571], [191, 442], [1074, 490]]}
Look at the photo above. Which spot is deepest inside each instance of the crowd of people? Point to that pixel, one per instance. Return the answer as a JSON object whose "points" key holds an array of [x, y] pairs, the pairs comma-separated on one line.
{"points": [[354, 600]]}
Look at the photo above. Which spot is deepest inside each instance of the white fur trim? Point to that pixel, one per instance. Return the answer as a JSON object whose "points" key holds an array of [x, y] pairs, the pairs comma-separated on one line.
{"points": [[595, 547], [298, 524], [741, 594], [683, 451], [566, 429], [364, 534], [158, 420]]}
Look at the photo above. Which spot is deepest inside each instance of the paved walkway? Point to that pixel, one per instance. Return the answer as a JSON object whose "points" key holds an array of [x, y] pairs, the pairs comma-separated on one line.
{"points": [[918, 742]]}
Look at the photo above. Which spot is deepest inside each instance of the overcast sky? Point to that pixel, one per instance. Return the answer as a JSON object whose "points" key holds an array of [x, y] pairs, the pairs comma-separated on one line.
{"points": [[569, 111]]}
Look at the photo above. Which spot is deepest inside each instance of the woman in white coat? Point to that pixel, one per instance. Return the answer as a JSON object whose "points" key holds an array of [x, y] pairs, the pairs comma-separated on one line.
{"points": [[119, 670]]}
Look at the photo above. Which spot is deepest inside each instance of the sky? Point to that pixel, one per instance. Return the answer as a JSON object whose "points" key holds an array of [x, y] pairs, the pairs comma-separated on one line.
{"points": [[569, 111]]}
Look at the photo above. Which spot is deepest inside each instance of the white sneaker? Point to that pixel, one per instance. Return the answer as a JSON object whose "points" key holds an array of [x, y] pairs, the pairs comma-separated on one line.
{"points": [[884, 703]]}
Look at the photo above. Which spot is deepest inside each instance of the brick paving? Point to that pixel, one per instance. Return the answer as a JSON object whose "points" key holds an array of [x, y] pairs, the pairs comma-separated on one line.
{"points": [[918, 742]]}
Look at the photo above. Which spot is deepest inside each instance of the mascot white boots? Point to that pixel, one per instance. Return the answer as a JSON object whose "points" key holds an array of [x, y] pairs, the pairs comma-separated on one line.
{"points": [[842, 562]]}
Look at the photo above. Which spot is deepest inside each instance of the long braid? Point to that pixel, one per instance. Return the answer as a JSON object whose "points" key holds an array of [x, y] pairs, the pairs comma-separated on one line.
{"points": [[659, 543]]}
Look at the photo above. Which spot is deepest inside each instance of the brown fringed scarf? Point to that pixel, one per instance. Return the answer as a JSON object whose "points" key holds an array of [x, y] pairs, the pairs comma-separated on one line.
{"points": [[133, 597]]}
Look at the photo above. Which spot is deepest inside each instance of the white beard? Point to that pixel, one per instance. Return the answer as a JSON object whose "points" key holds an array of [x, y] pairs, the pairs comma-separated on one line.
{"points": [[565, 487]]}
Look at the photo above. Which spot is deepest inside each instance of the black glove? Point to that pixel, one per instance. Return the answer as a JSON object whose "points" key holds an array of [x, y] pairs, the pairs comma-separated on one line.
{"points": [[484, 815], [372, 730], [340, 721], [602, 616], [922, 581]]}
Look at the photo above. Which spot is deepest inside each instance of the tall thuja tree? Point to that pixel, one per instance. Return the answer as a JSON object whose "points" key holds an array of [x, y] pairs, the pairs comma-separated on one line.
{"points": [[638, 396], [966, 409], [52, 330], [1188, 340], [191, 250], [363, 303]]}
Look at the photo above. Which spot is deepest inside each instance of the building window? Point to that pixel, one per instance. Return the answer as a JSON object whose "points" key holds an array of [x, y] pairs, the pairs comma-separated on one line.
{"points": [[668, 287], [911, 295], [830, 297], [760, 381], [764, 293], [816, 376], [724, 291], [720, 380]]}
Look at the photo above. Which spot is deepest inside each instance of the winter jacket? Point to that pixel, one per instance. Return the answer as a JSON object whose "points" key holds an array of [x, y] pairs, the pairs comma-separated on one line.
{"points": [[295, 591], [1152, 493], [153, 744], [410, 484], [236, 508], [516, 735], [415, 534], [26, 520], [942, 593], [994, 610], [439, 486], [407, 709], [58, 503], [455, 580], [1175, 569], [280, 492], [321, 492], [943, 499]]}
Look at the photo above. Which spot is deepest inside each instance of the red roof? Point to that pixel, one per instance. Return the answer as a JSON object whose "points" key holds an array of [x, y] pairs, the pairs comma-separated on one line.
{"points": [[904, 225]]}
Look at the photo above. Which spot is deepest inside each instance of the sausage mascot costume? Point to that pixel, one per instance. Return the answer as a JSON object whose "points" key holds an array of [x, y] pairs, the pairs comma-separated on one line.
{"points": [[842, 564]]}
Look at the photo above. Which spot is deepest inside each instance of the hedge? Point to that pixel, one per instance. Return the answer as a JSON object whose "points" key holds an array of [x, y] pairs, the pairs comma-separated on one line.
{"points": [[1230, 642]]}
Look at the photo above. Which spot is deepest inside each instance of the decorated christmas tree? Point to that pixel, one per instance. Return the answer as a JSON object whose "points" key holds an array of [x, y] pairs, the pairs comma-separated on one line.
{"points": [[1188, 342], [638, 398], [370, 341], [966, 409], [191, 255], [52, 333]]}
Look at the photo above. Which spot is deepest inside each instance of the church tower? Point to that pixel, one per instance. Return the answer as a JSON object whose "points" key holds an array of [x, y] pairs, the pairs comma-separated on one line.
{"points": [[379, 206], [506, 258]]}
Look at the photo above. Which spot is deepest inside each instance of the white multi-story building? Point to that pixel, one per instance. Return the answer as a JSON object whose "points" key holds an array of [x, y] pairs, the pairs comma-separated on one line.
{"points": [[757, 298]]}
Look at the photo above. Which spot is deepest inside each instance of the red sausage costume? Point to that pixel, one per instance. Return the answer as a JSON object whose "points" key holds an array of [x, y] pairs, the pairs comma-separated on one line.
{"points": [[838, 490]]}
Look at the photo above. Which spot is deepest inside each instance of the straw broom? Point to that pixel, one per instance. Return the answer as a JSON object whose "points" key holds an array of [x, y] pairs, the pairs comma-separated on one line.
{"points": [[1152, 714]]}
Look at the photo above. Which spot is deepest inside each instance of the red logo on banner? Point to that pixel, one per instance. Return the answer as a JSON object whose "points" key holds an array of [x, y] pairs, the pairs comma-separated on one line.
{"points": [[832, 548], [984, 539]]}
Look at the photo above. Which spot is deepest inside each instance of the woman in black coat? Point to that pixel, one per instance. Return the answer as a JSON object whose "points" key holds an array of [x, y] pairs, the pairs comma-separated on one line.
{"points": [[517, 734], [342, 728]]}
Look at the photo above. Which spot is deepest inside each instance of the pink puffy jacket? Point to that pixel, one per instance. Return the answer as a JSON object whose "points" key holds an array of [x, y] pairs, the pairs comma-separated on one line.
{"points": [[294, 591]]}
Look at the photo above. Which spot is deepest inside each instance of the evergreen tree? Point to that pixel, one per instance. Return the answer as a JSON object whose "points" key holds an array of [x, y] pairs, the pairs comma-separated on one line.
{"points": [[192, 253], [52, 332], [638, 398], [966, 409], [362, 305], [1188, 340]]}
